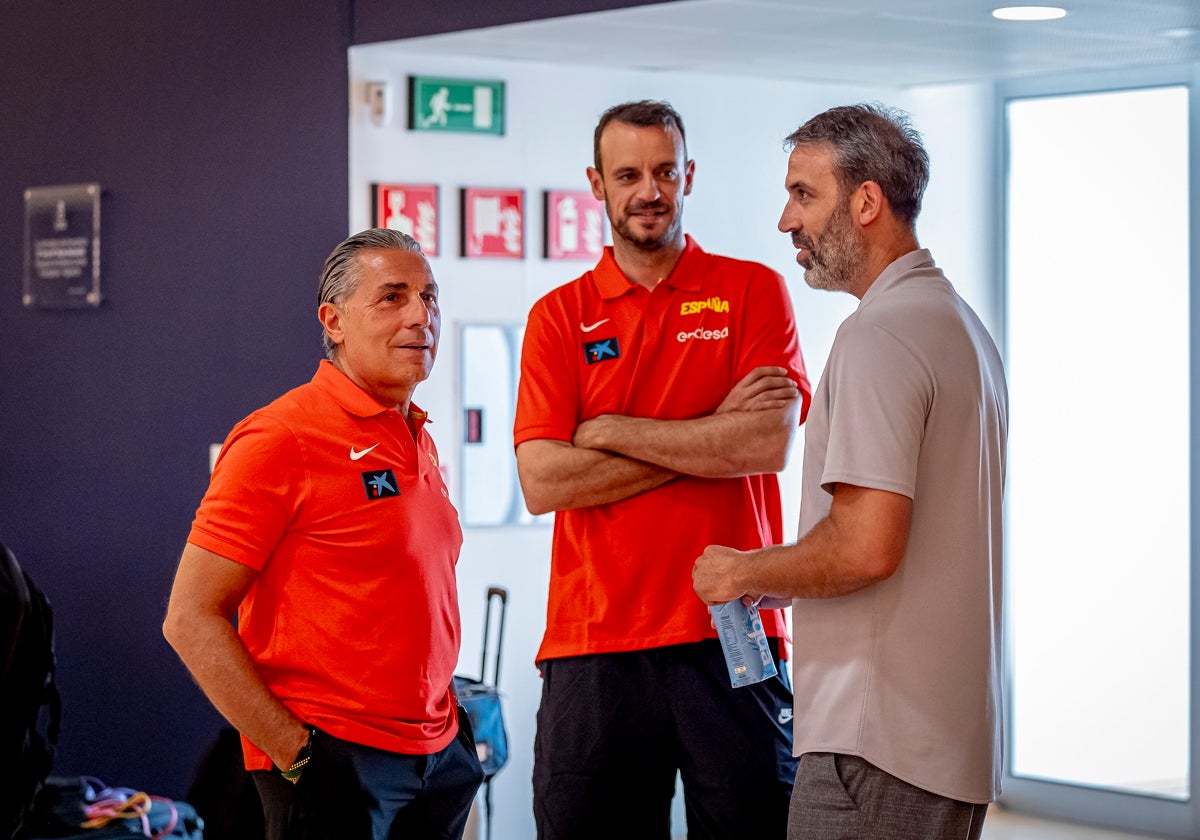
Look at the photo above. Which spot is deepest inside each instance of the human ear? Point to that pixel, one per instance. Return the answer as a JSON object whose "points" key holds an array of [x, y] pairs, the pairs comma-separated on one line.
{"points": [[597, 182], [868, 202], [331, 319]]}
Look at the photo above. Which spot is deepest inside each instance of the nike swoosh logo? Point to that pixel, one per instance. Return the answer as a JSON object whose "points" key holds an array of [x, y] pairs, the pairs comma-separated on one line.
{"points": [[590, 327], [355, 454]]}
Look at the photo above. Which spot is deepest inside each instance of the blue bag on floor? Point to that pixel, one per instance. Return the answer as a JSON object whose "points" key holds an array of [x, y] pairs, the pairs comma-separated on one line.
{"points": [[84, 808]]}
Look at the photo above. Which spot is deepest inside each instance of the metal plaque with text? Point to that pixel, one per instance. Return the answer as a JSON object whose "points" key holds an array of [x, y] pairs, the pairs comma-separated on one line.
{"points": [[62, 246]]}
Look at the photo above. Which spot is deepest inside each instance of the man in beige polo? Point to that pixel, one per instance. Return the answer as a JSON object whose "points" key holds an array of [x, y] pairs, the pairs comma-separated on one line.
{"points": [[895, 581]]}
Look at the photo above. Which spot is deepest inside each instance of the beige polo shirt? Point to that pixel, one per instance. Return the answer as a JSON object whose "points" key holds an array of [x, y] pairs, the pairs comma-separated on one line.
{"points": [[907, 673]]}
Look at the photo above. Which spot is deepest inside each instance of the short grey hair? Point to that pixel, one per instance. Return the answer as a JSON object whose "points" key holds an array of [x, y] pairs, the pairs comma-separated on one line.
{"points": [[872, 142], [339, 279]]}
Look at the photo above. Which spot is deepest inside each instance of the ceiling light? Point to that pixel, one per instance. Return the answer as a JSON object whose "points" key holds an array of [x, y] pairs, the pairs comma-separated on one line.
{"points": [[1029, 13]]}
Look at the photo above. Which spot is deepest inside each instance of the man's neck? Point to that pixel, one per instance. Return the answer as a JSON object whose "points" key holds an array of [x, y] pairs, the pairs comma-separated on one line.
{"points": [[647, 268], [878, 259], [397, 398]]}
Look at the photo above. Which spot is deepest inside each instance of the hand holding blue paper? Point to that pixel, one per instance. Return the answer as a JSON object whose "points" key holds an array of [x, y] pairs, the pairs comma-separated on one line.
{"points": [[744, 642]]}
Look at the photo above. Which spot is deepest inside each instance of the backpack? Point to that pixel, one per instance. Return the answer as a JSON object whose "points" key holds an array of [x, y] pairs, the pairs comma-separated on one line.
{"points": [[30, 708]]}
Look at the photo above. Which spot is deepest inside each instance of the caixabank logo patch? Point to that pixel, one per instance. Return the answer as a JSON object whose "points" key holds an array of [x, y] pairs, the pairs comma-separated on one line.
{"points": [[380, 484], [603, 350]]}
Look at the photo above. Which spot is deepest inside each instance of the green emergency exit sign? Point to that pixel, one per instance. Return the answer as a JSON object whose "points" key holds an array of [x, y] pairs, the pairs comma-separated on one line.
{"points": [[470, 105]]}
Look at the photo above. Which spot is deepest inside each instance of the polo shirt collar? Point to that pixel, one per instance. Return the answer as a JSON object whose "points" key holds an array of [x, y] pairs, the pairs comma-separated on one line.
{"points": [[896, 269], [611, 282], [354, 399]]}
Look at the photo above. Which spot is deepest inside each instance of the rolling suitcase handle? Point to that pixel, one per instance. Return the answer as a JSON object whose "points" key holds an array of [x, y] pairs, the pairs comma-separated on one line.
{"points": [[482, 702], [494, 592]]}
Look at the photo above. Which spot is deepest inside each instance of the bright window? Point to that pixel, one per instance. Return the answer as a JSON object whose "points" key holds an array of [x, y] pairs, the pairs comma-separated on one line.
{"points": [[1098, 493]]}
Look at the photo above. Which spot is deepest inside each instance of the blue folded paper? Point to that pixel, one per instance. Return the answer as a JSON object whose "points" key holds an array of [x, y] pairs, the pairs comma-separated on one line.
{"points": [[747, 655]]}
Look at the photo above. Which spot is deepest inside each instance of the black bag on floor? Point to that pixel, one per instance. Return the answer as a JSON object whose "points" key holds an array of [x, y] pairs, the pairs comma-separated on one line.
{"points": [[29, 701]]}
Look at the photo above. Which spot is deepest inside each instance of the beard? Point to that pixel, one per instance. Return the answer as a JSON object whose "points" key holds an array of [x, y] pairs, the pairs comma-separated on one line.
{"points": [[645, 240], [837, 257]]}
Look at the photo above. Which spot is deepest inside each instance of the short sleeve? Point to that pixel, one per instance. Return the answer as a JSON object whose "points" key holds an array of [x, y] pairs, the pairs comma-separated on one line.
{"points": [[879, 399], [256, 487], [769, 333], [547, 393]]}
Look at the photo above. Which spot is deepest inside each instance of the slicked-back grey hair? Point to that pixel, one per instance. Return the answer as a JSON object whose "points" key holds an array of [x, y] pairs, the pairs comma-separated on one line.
{"points": [[646, 113], [872, 142], [339, 279]]}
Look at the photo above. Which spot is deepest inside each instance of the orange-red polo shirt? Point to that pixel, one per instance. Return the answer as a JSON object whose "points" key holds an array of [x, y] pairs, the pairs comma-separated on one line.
{"points": [[353, 619], [621, 573]]}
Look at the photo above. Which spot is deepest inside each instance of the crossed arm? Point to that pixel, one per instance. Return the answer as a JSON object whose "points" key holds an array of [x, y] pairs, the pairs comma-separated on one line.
{"points": [[613, 457], [207, 590]]}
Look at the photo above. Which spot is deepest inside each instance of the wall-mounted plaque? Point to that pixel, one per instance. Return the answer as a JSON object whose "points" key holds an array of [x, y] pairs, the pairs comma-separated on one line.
{"points": [[574, 221], [411, 209], [62, 246], [493, 222]]}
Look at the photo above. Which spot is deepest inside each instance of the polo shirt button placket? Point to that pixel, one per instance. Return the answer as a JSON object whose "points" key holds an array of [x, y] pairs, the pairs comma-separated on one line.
{"points": [[652, 320]]}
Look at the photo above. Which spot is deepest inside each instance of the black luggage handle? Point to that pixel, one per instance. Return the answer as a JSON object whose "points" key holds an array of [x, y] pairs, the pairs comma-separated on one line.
{"points": [[494, 592]]}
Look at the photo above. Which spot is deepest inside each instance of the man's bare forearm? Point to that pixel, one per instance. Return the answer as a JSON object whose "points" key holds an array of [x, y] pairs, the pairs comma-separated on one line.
{"points": [[860, 543], [221, 667], [724, 445], [558, 476], [614, 457], [206, 590], [750, 432]]}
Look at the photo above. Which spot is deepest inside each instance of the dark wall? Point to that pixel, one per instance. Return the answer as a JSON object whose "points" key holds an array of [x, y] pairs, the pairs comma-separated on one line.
{"points": [[218, 131]]}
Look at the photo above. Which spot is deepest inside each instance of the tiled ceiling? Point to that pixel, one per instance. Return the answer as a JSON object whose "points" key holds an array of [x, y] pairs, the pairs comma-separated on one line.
{"points": [[890, 42]]}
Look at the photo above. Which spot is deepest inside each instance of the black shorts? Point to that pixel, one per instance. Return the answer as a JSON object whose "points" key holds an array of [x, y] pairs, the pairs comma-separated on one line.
{"points": [[613, 729]]}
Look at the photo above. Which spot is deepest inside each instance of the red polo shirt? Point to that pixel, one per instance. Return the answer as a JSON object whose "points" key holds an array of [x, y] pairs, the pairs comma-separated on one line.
{"points": [[353, 619], [621, 573]]}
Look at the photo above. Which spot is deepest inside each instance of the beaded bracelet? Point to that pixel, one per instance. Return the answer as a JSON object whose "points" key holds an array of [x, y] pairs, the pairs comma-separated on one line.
{"points": [[292, 774]]}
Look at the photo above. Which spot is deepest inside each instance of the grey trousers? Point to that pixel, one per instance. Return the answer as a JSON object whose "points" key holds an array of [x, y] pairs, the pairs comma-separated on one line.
{"points": [[844, 797]]}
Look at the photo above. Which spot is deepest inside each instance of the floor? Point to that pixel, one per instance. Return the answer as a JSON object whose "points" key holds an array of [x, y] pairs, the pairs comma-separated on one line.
{"points": [[1002, 824]]}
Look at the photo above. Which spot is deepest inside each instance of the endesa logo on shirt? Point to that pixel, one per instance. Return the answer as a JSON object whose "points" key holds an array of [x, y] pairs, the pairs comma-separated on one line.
{"points": [[703, 334], [695, 307]]}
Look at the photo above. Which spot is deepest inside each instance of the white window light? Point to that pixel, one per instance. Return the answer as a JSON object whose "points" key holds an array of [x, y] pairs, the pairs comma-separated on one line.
{"points": [[1029, 12]]}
